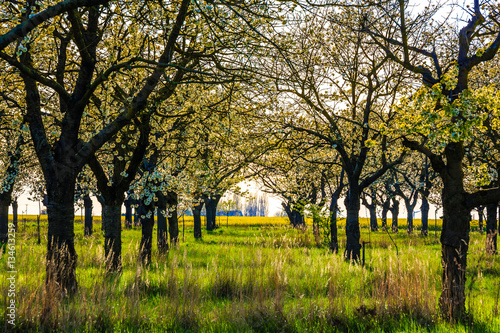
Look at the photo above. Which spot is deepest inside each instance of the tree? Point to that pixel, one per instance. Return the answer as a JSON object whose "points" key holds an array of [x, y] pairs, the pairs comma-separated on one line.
{"points": [[227, 147], [445, 112], [483, 153], [14, 147], [25, 26], [228, 206], [336, 186], [372, 207], [10, 173], [427, 178], [84, 187], [292, 178], [340, 91], [395, 213], [64, 147], [114, 173], [73, 58], [410, 196], [385, 195]]}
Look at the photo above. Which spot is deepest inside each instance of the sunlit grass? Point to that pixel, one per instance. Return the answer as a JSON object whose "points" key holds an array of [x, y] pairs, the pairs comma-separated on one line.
{"points": [[253, 276]]}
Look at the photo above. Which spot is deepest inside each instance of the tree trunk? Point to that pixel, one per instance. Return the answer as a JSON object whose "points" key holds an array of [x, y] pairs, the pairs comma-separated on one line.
{"points": [[395, 215], [334, 243], [211, 203], [491, 228], [425, 215], [111, 223], [5, 201], [137, 216], [128, 213], [61, 253], [147, 221], [4, 220], [173, 223], [15, 208], [386, 205], [296, 218], [480, 213], [373, 217], [352, 203], [409, 219], [454, 247], [87, 203], [299, 219], [161, 225], [197, 220]]}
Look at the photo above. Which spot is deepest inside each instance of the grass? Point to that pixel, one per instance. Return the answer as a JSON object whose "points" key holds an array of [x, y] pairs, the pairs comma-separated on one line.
{"points": [[257, 275]]}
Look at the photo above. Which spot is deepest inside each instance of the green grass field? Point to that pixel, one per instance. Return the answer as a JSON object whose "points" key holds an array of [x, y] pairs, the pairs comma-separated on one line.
{"points": [[254, 275]]}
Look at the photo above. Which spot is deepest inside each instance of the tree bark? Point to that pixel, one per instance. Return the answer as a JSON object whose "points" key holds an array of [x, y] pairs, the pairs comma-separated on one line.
{"points": [[7, 187], [480, 213], [425, 215], [87, 203], [4, 219], [211, 202], [61, 253], [334, 243], [197, 220], [395, 214], [410, 200], [373, 217], [15, 208], [136, 216], [128, 213], [111, 223], [147, 222], [296, 217], [491, 228], [5, 201], [352, 203], [454, 247], [386, 206], [409, 219], [372, 208], [173, 223], [161, 227]]}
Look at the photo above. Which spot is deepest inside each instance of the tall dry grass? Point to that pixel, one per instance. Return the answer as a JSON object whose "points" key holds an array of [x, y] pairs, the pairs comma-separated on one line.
{"points": [[276, 281]]}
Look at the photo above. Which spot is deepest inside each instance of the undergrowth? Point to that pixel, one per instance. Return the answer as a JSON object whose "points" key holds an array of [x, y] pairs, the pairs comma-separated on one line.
{"points": [[252, 278]]}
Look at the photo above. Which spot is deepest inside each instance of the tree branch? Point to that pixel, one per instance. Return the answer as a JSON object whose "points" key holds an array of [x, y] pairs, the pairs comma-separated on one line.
{"points": [[23, 29], [483, 197], [437, 162]]}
